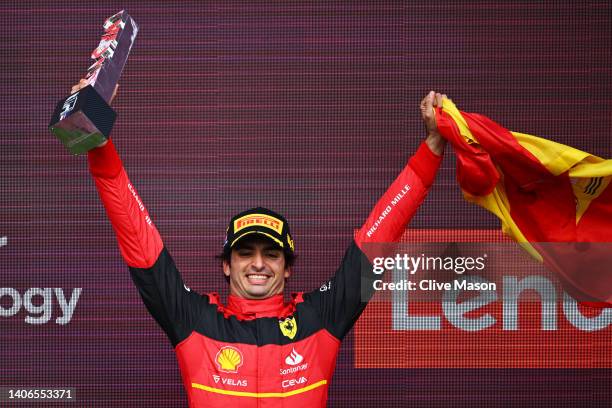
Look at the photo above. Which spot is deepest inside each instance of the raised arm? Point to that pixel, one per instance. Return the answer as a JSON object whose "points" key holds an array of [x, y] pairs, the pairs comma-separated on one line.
{"points": [[153, 271], [139, 241], [343, 298], [410, 188]]}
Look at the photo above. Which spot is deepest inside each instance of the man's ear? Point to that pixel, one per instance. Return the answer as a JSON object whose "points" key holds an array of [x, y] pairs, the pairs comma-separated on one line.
{"points": [[288, 272], [226, 268]]}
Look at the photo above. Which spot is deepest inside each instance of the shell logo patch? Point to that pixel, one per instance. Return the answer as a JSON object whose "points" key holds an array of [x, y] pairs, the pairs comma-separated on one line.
{"points": [[229, 359], [288, 327]]}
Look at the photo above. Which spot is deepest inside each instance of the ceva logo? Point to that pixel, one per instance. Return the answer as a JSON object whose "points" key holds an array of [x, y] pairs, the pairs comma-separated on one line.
{"points": [[294, 381]]}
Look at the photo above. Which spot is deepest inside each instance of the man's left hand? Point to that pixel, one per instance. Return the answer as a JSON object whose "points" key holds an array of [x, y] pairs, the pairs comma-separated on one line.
{"points": [[435, 142]]}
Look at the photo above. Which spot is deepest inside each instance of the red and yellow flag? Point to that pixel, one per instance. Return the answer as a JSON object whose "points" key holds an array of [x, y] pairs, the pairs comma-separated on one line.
{"points": [[554, 200]]}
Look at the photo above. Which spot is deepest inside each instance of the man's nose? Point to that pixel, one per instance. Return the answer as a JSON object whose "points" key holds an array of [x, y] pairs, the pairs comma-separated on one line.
{"points": [[258, 261]]}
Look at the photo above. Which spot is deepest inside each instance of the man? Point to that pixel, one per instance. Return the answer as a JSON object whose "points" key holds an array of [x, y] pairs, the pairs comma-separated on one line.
{"points": [[257, 350]]}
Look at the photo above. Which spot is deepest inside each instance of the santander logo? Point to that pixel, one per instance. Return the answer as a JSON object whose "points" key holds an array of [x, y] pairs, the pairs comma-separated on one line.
{"points": [[294, 358], [296, 361]]}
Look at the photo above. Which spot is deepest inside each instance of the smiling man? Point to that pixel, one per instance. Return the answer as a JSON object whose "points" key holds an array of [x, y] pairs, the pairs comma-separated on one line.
{"points": [[258, 254], [258, 349]]}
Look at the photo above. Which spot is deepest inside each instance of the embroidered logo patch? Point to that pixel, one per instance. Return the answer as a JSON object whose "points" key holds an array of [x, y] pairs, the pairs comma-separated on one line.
{"points": [[288, 327]]}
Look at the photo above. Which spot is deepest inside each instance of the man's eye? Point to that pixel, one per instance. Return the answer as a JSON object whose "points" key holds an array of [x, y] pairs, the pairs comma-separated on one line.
{"points": [[273, 255], [244, 252]]}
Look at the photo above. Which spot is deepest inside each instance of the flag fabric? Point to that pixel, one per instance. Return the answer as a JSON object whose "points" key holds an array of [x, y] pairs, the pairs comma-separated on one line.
{"points": [[554, 200]]}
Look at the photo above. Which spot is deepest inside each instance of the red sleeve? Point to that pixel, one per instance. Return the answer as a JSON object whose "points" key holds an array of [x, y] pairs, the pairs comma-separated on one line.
{"points": [[139, 241], [393, 211]]}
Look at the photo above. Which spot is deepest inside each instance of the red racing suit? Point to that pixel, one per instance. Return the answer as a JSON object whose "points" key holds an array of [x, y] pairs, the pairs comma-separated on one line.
{"points": [[254, 353]]}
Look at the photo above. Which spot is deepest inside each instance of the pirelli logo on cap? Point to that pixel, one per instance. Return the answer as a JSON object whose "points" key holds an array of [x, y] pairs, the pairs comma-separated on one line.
{"points": [[263, 220]]}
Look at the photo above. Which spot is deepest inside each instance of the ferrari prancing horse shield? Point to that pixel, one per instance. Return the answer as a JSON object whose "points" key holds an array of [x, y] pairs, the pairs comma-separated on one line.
{"points": [[288, 327]]}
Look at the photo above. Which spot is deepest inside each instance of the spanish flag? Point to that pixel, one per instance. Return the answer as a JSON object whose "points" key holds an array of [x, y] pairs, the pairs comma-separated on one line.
{"points": [[554, 200]]}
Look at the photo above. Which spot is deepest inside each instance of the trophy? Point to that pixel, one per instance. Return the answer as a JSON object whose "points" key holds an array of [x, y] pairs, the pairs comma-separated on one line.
{"points": [[84, 120]]}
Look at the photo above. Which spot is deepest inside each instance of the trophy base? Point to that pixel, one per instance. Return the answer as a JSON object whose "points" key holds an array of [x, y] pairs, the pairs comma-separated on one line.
{"points": [[77, 139], [82, 121]]}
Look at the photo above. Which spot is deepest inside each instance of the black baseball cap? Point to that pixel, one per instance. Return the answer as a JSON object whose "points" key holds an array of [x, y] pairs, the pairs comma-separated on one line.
{"points": [[263, 222]]}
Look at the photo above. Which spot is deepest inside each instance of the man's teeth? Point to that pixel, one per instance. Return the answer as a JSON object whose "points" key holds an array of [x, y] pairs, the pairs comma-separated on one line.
{"points": [[258, 276]]}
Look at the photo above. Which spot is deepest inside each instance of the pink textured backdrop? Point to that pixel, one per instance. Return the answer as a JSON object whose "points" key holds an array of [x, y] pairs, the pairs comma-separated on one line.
{"points": [[309, 108]]}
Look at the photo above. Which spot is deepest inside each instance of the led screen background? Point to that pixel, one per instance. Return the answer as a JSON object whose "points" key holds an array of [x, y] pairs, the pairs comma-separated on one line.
{"points": [[309, 108]]}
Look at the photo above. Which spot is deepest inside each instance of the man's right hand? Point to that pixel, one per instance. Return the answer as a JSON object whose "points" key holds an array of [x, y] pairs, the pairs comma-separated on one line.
{"points": [[82, 84]]}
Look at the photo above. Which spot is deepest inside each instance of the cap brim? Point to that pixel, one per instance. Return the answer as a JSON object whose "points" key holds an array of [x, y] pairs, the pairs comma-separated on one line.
{"points": [[271, 238]]}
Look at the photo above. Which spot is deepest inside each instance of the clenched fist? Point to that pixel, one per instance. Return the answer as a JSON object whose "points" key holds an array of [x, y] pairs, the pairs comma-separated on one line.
{"points": [[435, 142]]}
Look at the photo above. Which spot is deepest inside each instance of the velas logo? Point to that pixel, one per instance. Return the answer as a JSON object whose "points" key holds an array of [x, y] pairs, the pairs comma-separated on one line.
{"points": [[288, 327], [294, 358], [230, 381], [262, 220], [229, 359]]}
